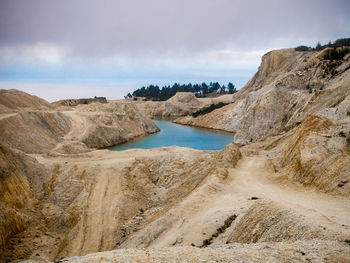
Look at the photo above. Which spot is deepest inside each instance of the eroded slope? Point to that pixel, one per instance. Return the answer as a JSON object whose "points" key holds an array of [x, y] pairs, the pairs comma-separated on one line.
{"points": [[288, 87]]}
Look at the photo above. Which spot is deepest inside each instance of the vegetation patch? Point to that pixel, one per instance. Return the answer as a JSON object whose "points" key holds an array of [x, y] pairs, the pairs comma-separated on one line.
{"points": [[254, 198], [209, 109], [336, 53], [154, 92], [341, 42]]}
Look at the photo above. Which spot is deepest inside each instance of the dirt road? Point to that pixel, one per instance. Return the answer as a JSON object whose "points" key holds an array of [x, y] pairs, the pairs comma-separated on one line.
{"points": [[221, 195], [251, 177]]}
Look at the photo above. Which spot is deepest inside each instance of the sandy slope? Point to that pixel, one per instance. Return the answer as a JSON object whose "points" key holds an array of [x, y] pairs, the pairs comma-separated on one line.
{"points": [[92, 203], [223, 194], [283, 252], [220, 196], [190, 198], [288, 87], [251, 177]]}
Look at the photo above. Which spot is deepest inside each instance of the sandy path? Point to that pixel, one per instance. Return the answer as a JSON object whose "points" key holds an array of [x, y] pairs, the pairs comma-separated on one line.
{"points": [[197, 216], [7, 115], [218, 197], [251, 177], [79, 125]]}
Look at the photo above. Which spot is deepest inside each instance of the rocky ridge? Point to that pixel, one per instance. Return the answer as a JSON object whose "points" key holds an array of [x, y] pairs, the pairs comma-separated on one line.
{"points": [[182, 104], [66, 130], [288, 87]]}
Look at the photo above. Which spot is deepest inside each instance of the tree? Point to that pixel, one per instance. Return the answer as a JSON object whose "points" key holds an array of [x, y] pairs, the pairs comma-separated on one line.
{"points": [[154, 92], [196, 88], [223, 89], [231, 88], [302, 48], [204, 88], [318, 46], [216, 86]]}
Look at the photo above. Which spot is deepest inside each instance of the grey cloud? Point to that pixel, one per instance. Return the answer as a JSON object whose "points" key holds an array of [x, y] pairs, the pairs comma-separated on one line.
{"points": [[105, 27]]}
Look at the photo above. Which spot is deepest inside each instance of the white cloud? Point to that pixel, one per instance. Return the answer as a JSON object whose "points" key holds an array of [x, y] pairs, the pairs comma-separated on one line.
{"points": [[231, 58], [44, 53]]}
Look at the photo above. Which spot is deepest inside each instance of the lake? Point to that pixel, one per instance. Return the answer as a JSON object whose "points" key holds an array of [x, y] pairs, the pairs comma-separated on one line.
{"points": [[185, 136]]}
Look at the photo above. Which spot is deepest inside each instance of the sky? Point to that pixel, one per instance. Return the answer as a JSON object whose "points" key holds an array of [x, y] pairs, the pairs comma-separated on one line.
{"points": [[83, 48]]}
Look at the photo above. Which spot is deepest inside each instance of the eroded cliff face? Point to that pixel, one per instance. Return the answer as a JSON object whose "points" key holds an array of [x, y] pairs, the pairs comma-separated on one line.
{"points": [[60, 198], [29, 127], [96, 201], [181, 104], [104, 125], [288, 87], [68, 129], [15, 100], [22, 181], [314, 154]]}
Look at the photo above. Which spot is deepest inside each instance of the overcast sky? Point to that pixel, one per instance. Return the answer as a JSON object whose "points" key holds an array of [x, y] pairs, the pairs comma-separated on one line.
{"points": [[82, 48]]}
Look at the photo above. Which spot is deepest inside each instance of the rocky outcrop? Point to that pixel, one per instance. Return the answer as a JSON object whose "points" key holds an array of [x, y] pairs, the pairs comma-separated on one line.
{"points": [[36, 131], [14, 194], [185, 98], [181, 104], [288, 87], [315, 154], [75, 102], [269, 222], [70, 130], [113, 123], [139, 186], [15, 100], [22, 181]]}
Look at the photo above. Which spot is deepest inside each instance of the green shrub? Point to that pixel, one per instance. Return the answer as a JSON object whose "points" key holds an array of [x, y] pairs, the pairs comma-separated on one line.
{"points": [[209, 109], [342, 42], [302, 48], [335, 54]]}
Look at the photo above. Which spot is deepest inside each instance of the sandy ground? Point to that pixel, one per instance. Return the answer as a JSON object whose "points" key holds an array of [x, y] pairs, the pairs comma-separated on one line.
{"points": [[198, 215], [251, 176], [220, 196], [203, 216]]}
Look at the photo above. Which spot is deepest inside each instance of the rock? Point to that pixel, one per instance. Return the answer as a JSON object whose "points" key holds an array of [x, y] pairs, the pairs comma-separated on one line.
{"points": [[75, 102], [181, 104], [69, 131], [306, 156], [262, 108], [15, 100]]}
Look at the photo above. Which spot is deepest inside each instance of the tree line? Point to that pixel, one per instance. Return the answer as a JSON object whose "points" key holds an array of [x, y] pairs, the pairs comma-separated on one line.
{"points": [[154, 92], [341, 42]]}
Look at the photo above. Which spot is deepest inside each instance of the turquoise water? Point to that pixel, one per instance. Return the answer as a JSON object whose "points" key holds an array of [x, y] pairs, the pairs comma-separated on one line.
{"points": [[173, 134]]}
